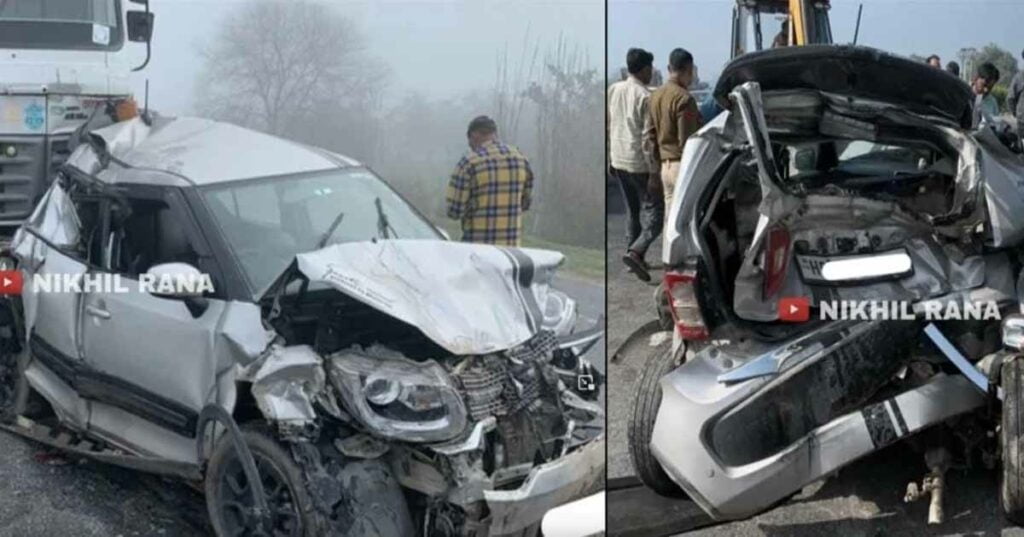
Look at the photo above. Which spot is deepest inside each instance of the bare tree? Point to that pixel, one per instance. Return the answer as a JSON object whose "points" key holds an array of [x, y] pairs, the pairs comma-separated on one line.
{"points": [[275, 66], [569, 104], [510, 85]]}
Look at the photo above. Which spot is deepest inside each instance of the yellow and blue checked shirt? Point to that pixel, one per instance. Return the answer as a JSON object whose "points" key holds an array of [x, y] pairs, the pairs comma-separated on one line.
{"points": [[489, 190]]}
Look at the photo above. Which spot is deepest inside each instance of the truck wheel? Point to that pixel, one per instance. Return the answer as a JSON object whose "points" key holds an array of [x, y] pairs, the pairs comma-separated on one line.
{"points": [[641, 423], [229, 497], [1012, 482]]}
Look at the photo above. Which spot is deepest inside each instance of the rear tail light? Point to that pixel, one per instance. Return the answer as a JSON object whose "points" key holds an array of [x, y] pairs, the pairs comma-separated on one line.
{"points": [[776, 258], [681, 287]]}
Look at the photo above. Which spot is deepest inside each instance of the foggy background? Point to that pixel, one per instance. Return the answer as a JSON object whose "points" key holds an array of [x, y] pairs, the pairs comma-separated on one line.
{"points": [[394, 84]]}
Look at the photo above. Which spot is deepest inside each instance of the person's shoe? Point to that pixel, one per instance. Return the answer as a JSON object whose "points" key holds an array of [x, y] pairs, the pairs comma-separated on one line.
{"points": [[636, 265]]}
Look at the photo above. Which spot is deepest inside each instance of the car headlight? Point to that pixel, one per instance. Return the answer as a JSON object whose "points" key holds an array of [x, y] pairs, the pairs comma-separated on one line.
{"points": [[398, 398], [559, 313]]}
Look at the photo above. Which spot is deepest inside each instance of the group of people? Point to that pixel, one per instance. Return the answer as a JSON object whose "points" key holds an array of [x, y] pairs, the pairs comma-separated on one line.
{"points": [[646, 134], [985, 78]]}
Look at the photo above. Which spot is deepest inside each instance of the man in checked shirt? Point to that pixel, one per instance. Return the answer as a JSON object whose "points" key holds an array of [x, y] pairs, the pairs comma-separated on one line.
{"points": [[490, 188]]}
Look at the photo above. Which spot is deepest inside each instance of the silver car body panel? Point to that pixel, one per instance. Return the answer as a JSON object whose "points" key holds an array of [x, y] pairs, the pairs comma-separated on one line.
{"points": [[288, 381], [548, 485], [696, 395], [481, 299], [194, 151], [138, 435]]}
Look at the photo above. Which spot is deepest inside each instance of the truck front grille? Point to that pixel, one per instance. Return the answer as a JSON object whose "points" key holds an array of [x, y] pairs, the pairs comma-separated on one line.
{"points": [[22, 177]]}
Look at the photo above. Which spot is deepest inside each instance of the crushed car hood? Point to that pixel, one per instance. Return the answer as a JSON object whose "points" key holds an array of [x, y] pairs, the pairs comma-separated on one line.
{"points": [[861, 72], [469, 299]]}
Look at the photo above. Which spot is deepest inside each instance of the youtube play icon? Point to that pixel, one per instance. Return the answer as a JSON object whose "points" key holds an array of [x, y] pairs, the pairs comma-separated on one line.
{"points": [[794, 309], [10, 282]]}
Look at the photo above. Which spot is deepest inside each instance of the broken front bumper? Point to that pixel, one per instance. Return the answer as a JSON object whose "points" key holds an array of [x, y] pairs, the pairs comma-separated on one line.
{"points": [[805, 426], [518, 511]]}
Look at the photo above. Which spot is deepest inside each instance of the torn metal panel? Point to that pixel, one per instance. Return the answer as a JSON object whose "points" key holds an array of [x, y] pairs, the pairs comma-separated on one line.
{"points": [[692, 398], [548, 485], [774, 202], [287, 383], [1004, 190], [836, 216], [481, 299], [243, 337]]}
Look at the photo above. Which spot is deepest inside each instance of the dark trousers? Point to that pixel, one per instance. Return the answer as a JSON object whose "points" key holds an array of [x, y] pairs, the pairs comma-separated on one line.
{"points": [[645, 213]]}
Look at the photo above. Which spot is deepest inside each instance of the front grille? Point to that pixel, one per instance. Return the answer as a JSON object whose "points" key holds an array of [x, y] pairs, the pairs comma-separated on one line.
{"points": [[499, 385], [22, 177]]}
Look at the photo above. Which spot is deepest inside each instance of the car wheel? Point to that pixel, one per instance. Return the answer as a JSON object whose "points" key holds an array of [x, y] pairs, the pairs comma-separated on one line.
{"points": [[229, 497], [641, 423], [1012, 482]]}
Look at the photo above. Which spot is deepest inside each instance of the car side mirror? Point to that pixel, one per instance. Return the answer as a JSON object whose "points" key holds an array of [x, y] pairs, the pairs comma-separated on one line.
{"points": [[179, 281], [140, 26]]}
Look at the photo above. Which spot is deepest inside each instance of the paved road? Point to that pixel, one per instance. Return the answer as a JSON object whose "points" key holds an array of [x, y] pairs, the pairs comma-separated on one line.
{"points": [[589, 296], [45, 494], [630, 306], [864, 500]]}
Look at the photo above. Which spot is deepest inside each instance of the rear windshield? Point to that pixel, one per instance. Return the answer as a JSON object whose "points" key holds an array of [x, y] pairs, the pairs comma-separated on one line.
{"points": [[61, 24]]}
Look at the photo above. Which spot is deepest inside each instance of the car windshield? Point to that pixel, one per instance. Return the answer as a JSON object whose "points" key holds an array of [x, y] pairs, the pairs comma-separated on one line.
{"points": [[268, 221], [61, 24]]}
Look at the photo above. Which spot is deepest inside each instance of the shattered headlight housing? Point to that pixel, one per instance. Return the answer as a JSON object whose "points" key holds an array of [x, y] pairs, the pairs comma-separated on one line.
{"points": [[559, 312], [399, 398]]}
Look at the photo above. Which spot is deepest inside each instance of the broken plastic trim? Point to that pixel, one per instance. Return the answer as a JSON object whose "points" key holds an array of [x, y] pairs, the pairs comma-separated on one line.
{"points": [[953, 354]]}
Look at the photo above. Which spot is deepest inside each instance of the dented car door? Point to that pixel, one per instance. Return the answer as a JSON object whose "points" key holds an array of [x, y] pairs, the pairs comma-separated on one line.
{"points": [[50, 242], [157, 348]]}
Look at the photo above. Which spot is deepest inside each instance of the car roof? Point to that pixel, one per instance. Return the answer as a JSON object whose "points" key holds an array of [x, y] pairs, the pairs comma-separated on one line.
{"points": [[194, 152]]}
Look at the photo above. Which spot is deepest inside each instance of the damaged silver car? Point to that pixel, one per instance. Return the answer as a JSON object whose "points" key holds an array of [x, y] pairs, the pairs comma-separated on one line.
{"points": [[341, 369], [837, 174]]}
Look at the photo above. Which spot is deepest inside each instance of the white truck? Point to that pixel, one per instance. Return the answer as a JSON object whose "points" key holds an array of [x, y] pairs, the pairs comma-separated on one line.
{"points": [[61, 61]]}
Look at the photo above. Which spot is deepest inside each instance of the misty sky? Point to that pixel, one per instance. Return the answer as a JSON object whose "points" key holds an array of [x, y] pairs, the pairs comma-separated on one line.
{"points": [[903, 26], [436, 48]]}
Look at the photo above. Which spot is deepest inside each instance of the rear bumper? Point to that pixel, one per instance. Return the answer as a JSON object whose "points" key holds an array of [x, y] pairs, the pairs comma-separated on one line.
{"points": [[546, 487], [695, 399]]}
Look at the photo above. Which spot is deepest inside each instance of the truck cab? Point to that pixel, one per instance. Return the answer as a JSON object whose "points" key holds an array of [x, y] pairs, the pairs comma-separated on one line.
{"points": [[801, 22], [60, 62]]}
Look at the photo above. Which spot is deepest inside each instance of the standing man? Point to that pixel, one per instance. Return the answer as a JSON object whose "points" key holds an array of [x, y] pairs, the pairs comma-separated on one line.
{"points": [[636, 171], [1015, 100], [674, 118], [985, 105], [490, 188], [953, 68], [934, 61]]}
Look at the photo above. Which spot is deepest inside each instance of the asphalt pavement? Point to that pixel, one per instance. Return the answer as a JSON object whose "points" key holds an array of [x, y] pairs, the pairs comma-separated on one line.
{"points": [[864, 499]]}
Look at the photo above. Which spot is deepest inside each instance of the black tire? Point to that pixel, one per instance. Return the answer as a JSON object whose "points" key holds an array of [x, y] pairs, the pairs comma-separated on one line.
{"points": [[641, 423], [274, 462], [1012, 483]]}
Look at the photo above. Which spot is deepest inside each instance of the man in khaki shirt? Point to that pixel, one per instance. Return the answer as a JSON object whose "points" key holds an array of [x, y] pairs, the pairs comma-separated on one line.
{"points": [[674, 118]]}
